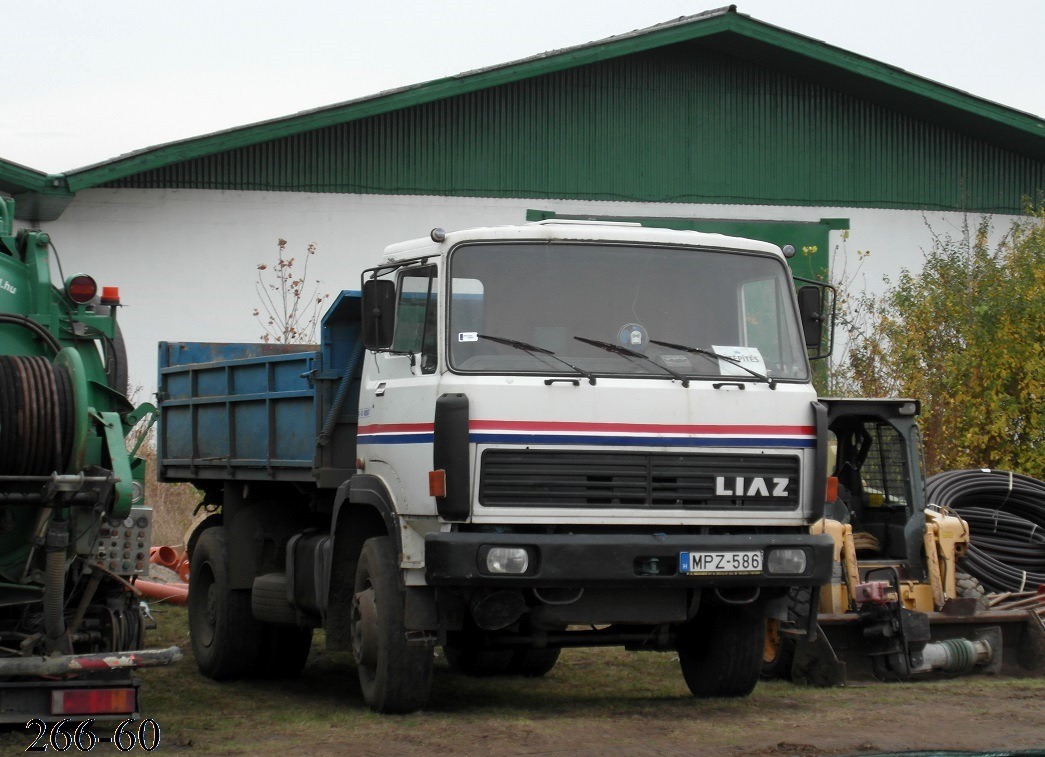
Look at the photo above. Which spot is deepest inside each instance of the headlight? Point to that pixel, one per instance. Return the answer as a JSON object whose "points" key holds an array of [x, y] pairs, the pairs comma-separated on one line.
{"points": [[786, 562], [507, 560]]}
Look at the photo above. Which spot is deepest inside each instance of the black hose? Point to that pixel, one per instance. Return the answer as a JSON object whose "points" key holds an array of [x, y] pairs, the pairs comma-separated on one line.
{"points": [[38, 329], [1006, 516], [37, 421]]}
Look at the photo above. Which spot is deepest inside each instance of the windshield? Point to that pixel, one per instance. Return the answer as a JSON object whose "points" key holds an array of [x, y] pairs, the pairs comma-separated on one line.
{"points": [[528, 307]]}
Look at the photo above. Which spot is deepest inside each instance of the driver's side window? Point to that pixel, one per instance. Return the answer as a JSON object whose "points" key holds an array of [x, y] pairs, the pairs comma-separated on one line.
{"points": [[416, 314]]}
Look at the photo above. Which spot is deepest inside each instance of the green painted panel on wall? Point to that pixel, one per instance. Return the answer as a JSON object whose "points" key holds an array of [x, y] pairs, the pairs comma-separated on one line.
{"points": [[811, 240]]}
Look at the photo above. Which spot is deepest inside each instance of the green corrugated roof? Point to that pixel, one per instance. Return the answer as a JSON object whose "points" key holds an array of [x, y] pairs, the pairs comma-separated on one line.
{"points": [[723, 29], [974, 131], [38, 196], [15, 178]]}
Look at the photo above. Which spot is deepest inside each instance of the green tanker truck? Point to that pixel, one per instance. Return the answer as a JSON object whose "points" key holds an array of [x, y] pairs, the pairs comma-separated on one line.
{"points": [[74, 527]]}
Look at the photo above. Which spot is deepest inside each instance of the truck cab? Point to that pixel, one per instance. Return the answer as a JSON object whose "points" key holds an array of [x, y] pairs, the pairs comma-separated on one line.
{"points": [[512, 440]]}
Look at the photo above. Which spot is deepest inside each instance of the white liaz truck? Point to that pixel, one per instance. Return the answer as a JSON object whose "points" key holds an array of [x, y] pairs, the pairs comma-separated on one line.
{"points": [[512, 440]]}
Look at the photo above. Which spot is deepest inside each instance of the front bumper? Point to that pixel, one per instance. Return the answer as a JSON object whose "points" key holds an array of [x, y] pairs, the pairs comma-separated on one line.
{"points": [[617, 560]]}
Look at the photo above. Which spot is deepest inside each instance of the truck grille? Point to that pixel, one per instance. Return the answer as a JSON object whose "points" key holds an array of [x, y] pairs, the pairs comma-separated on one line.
{"points": [[534, 478]]}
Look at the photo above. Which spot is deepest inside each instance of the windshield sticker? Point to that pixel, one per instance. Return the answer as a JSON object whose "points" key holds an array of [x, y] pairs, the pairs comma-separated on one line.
{"points": [[468, 336], [678, 362], [749, 357], [633, 336]]}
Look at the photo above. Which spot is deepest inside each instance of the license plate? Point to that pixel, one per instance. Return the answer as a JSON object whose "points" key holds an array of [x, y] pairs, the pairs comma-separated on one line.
{"points": [[720, 562]]}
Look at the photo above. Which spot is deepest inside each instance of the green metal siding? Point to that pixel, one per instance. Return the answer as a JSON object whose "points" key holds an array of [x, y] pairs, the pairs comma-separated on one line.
{"points": [[682, 123], [811, 240]]}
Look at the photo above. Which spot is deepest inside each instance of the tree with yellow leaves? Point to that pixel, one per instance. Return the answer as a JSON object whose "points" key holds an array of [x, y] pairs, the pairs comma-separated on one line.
{"points": [[966, 335]]}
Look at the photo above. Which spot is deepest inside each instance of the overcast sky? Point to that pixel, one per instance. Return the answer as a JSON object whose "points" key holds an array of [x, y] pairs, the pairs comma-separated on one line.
{"points": [[86, 81]]}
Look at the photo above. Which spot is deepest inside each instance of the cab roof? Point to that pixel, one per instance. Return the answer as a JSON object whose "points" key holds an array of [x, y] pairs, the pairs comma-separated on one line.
{"points": [[551, 230]]}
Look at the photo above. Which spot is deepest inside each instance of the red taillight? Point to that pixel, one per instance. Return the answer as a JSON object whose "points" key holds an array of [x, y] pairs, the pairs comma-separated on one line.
{"points": [[81, 288], [93, 701]]}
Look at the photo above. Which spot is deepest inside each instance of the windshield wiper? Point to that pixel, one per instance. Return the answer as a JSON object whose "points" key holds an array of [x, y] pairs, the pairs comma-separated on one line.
{"points": [[616, 348], [715, 356], [535, 350]]}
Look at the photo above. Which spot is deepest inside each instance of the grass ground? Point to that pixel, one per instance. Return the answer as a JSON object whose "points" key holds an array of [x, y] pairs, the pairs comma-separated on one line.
{"points": [[596, 701]]}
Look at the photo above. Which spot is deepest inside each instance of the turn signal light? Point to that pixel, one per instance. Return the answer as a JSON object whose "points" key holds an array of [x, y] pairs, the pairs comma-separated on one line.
{"points": [[437, 483], [832, 489]]}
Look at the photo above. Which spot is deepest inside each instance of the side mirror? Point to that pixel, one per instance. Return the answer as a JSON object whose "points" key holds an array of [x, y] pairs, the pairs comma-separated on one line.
{"points": [[379, 307], [810, 307]]}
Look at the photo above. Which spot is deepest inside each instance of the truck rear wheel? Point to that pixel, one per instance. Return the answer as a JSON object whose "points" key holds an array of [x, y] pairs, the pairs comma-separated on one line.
{"points": [[225, 637], [720, 651], [394, 676]]}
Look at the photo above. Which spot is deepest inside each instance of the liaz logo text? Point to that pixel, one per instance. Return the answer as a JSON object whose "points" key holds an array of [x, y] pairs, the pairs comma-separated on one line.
{"points": [[740, 486]]}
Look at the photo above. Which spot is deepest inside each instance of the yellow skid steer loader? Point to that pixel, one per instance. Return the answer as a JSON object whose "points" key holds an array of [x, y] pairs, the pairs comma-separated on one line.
{"points": [[897, 605]]}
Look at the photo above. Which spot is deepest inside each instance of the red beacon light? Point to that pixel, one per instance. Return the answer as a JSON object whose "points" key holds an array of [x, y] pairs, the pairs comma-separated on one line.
{"points": [[81, 288]]}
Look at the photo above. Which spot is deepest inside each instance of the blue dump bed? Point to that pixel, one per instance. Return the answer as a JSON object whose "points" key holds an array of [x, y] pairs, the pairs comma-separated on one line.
{"points": [[263, 412]]}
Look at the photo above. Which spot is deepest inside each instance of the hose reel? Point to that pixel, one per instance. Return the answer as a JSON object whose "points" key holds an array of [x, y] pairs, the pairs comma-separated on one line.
{"points": [[38, 422]]}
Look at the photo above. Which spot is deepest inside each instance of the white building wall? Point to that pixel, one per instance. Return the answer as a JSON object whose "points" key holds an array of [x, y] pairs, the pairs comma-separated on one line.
{"points": [[186, 260]]}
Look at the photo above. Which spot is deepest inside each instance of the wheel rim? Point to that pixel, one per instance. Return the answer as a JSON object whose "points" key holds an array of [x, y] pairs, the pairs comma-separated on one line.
{"points": [[364, 628], [205, 610]]}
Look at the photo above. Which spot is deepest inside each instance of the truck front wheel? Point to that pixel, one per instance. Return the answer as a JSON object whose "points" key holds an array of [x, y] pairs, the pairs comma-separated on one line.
{"points": [[394, 676], [225, 637], [720, 651]]}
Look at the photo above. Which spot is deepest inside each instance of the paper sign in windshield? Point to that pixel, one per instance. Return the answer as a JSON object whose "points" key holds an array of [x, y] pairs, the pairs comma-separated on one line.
{"points": [[749, 357]]}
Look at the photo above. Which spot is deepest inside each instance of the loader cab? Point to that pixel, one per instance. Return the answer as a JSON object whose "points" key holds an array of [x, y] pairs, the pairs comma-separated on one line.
{"points": [[877, 464]]}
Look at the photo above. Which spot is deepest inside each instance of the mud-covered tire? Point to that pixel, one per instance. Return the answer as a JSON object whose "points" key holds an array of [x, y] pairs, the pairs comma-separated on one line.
{"points": [[720, 651], [394, 676], [478, 663], [226, 640], [969, 586], [533, 663], [778, 650]]}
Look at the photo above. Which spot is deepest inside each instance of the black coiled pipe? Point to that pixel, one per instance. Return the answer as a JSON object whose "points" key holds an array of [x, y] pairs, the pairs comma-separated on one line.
{"points": [[37, 421], [1006, 516]]}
